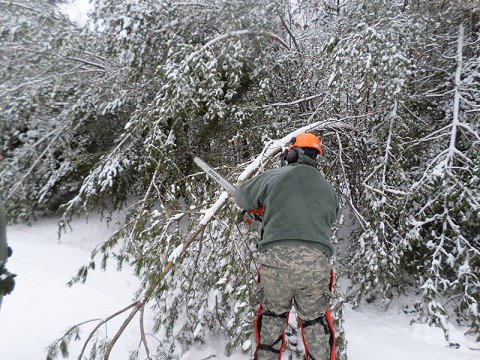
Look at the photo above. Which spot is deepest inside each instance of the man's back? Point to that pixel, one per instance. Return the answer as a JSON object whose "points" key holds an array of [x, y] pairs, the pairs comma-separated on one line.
{"points": [[299, 206]]}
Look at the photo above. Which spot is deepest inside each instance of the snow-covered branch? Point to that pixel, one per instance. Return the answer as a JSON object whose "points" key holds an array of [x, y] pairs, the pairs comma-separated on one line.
{"points": [[452, 150], [37, 81], [442, 163], [298, 101], [22, 6], [274, 147], [86, 62], [180, 3], [237, 33], [361, 219], [385, 188], [39, 158], [168, 26]]}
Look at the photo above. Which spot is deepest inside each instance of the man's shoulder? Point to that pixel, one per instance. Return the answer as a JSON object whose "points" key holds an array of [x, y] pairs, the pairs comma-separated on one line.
{"points": [[276, 173], [279, 170], [298, 171]]}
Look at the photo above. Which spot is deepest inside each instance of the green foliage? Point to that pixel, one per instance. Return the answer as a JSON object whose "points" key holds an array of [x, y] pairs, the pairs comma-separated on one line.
{"points": [[417, 194], [60, 347]]}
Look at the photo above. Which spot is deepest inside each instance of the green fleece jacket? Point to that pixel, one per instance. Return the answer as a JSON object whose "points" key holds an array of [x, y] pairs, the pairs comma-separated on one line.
{"points": [[299, 206]]}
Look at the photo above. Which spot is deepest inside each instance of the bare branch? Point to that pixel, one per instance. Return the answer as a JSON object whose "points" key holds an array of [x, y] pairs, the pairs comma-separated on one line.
{"points": [[120, 331], [291, 34], [86, 62], [54, 344], [142, 332], [134, 304], [296, 101]]}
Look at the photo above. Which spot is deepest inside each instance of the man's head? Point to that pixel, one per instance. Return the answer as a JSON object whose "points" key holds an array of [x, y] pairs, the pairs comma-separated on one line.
{"points": [[304, 148]]}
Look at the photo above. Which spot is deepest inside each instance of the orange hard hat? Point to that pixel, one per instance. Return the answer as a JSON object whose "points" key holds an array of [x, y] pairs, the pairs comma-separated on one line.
{"points": [[306, 140]]}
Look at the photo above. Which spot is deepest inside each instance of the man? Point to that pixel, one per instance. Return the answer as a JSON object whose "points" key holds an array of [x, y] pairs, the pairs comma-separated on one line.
{"points": [[299, 208], [7, 283]]}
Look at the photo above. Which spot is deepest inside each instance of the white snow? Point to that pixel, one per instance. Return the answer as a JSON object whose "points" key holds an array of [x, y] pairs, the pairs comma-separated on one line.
{"points": [[214, 208], [373, 334], [42, 307], [175, 254]]}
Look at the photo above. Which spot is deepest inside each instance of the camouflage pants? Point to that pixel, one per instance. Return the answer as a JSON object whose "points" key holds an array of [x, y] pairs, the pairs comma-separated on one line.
{"points": [[299, 275]]}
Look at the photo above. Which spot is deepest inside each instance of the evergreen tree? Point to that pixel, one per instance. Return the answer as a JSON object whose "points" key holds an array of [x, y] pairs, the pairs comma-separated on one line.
{"points": [[410, 73], [111, 115], [45, 67], [191, 79]]}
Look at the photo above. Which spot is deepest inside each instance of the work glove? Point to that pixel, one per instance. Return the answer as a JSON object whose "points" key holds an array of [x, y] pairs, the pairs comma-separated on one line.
{"points": [[7, 282], [254, 215]]}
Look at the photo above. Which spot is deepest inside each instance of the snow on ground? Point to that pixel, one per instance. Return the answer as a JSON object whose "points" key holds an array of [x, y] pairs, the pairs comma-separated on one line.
{"points": [[374, 334], [42, 307]]}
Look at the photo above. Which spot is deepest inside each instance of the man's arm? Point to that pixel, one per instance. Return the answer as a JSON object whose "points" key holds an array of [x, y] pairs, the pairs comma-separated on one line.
{"points": [[250, 195]]}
